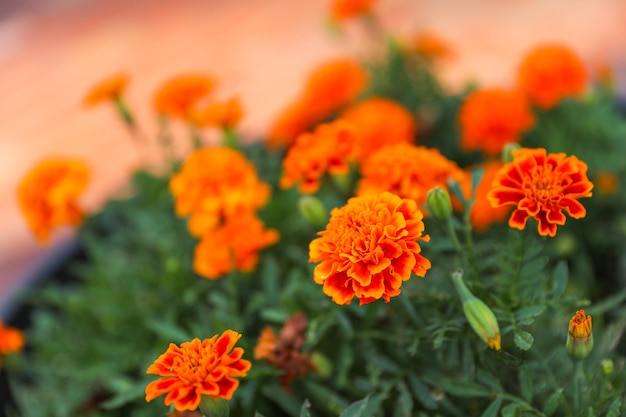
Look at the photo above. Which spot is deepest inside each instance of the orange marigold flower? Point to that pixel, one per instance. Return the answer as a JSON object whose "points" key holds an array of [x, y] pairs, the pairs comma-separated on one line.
{"points": [[370, 246], [580, 337], [233, 245], [224, 115], [198, 368], [180, 95], [482, 214], [580, 325], [408, 171], [48, 195], [284, 351], [379, 122], [430, 46], [109, 89], [491, 118], [541, 185], [11, 340], [327, 150], [214, 184], [347, 9], [330, 87], [550, 73]]}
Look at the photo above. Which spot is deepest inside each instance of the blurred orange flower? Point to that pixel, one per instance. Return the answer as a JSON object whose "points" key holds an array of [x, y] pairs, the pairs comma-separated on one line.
{"points": [[109, 89], [179, 96], [224, 114], [490, 118], [48, 195], [370, 246], [550, 73], [347, 9], [408, 171], [11, 340], [284, 351], [327, 150], [214, 184], [430, 46], [607, 183], [379, 122], [233, 245], [541, 185], [482, 214], [330, 87], [198, 368]]}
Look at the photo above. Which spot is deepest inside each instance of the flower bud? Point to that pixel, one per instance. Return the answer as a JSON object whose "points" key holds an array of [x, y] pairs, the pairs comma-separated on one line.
{"points": [[439, 203], [580, 338], [607, 366], [313, 210], [478, 314], [507, 151]]}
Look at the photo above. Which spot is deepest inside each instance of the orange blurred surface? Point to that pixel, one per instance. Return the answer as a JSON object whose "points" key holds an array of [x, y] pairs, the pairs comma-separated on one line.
{"points": [[52, 51]]}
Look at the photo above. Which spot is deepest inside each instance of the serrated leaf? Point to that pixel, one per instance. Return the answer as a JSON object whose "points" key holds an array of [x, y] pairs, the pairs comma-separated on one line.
{"points": [[492, 410], [357, 408], [553, 402], [523, 339], [560, 276]]}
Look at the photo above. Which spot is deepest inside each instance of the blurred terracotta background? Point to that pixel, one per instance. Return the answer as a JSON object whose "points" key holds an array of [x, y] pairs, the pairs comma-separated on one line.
{"points": [[52, 51]]}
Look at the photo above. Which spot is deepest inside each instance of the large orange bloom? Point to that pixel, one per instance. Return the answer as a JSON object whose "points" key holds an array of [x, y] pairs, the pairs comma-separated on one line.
{"points": [[370, 246], [550, 73], [541, 185], [109, 89], [379, 122], [327, 150], [198, 368], [179, 96], [408, 171], [233, 245], [491, 118], [48, 195], [330, 87], [347, 9], [482, 214], [11, 340], [216, 183]]}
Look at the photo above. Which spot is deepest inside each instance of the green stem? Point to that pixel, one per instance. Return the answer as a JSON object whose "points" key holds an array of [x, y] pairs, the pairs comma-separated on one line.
{"points": [[469, 242], [231, 139], [453, 236], [577, 374]]}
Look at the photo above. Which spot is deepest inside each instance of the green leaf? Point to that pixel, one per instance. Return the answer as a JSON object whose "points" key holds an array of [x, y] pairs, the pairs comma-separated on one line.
{"points": [[526, 384], [614, 408], [553, 402], [304, 410], [529, 312], [167, 331], [560, 276], [523, 339], [458, 387], [357, 408], [511, 410], [404, 405], [492, 410], [422, 392]]}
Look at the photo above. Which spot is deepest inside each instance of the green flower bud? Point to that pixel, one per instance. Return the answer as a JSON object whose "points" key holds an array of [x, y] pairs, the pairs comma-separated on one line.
{"points": [[580, 336], [439, 203], [607, 366], [313, 210], [478, 314], [507, 151]]}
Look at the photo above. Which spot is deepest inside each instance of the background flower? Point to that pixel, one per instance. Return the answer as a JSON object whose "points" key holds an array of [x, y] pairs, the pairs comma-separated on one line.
{"points": [[370, 246], [108, 89], [179, 95], [11, 340]]}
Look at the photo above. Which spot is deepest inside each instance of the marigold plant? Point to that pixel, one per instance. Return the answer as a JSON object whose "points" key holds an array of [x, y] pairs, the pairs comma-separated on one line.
{"points": [[109, 89], [196, 368], [215, 183], [370, 246], [491, 118], [550, 73], [179, 96], [542, 186], [379, 122], [408, 171], [326, 150], [48, 195], [234, 245]]}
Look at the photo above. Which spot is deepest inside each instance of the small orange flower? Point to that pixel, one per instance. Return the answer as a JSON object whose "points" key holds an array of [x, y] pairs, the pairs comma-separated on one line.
{"points": [[408, 171], [198, 368], [550, 73], [370, 246], [482, 214], [430, 46], [491, 118], [379, 122], [330, 87], [214, 184], [284, 351], [180, 95], [580, 325], [48, 195], [606, 183], [11, 340], [327, 150], [347, 9], [109, 89], [224, 115], [541, 185], [233, 245]]}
